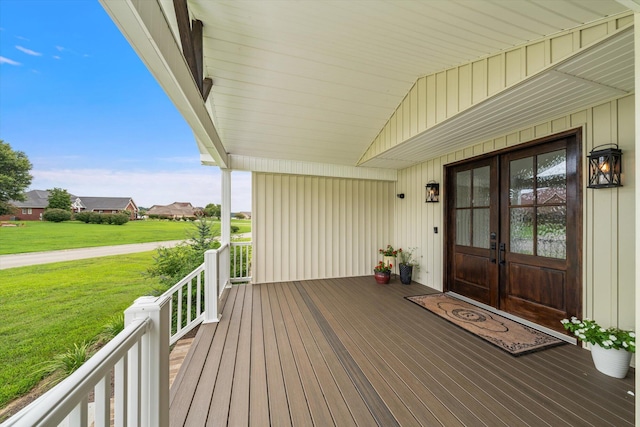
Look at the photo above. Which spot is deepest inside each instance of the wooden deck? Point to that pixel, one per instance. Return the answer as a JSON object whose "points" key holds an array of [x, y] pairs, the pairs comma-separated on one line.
{"points": [[349, 352]]}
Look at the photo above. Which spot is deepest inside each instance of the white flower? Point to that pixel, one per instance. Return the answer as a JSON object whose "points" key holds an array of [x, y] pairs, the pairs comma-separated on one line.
{"points": [[613, 338], [574, 320], [564, 321], [582, 337], [632, 334], [624, 344], [603, 330]]}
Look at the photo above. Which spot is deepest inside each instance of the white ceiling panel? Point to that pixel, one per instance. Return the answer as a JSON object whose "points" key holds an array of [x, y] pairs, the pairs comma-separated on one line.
{"points": [[315, 81]]}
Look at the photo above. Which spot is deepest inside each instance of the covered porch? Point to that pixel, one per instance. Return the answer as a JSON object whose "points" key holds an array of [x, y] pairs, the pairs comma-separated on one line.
{"points": [[351, 352]]}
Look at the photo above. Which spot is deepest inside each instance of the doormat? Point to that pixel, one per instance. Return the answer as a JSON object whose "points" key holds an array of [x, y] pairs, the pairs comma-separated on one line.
{"points": [[513, 337]]}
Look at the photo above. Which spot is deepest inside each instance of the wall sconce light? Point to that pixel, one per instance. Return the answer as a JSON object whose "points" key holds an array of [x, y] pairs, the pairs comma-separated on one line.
{"points": [[433, 192], [400, 196], [605, 167]]}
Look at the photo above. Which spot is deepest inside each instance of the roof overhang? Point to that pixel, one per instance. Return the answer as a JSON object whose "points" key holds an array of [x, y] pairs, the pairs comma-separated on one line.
{"points": [[598, 73]]}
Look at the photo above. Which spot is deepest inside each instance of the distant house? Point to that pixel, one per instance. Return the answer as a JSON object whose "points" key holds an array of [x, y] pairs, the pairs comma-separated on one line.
{"points": [[176, 210], [244, 215], [109, 205], [37, 201]]}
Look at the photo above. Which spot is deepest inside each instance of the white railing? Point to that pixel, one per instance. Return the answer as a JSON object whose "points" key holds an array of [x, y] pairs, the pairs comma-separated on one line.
{"points": [[241, 262], [186, 302], [138, 357], [134, 356]]}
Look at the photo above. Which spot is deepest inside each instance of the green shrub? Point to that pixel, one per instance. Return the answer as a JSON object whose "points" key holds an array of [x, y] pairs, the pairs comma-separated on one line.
{"points": [[235, 228], [112, 328], [56, 215], [83, 217], [120, 219], [63, 365], [95, 218], [107, 218]]}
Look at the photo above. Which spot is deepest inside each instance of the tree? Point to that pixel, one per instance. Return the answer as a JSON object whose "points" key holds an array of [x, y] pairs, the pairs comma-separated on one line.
{"points": [[14, 176], [59, 199], [212, 210]]}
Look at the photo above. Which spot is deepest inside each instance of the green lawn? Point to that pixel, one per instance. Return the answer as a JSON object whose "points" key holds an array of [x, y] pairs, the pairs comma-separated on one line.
{"points": [[36, 236], [47, 308]]}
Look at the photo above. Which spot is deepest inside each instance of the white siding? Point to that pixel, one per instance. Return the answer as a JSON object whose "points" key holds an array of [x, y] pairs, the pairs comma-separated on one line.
{"points": [[310, 227], [447, 93], [609, 256]]}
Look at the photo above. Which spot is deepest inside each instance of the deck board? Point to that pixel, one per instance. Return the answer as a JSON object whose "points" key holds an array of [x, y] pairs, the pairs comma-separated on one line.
{"points": [[350, 352]]}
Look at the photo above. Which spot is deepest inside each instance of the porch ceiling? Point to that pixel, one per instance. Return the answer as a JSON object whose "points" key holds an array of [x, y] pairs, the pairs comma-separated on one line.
{"points": [[317, 80]]}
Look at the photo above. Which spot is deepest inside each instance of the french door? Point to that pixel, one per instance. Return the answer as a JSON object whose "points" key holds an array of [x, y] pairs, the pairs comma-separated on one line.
{"points": [[514, 230]]}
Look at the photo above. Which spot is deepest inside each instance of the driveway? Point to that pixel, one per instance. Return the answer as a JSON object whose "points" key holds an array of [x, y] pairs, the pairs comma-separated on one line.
{"points": [[33, 258]]}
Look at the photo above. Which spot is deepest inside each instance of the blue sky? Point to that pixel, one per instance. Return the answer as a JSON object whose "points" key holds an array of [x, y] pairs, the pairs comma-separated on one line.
{"points": [[78, 101]]}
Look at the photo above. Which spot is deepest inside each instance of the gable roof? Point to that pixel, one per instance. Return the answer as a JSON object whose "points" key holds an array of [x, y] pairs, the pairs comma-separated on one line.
{"points": [[39, 199], [176, 209], [106, 203], [35, 199]]}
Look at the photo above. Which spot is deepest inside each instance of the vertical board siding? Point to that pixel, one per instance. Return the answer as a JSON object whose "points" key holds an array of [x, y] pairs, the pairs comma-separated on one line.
{"points": [[451, 91], [609, 256], [310, 227]]}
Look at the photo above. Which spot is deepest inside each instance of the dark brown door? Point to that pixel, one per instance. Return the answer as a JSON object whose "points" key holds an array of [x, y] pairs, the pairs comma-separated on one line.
{"points": [[473, 230], [514, 230]]}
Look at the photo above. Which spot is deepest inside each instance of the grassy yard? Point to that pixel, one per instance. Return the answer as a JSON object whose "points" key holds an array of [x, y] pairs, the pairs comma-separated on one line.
{"points": [[47, 308], [36, 236]]}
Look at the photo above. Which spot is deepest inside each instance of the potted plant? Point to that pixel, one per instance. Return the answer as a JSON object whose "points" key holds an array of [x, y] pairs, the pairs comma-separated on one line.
{"points": [[389, 254], [407, 265], [611, 348], [382, 273]]}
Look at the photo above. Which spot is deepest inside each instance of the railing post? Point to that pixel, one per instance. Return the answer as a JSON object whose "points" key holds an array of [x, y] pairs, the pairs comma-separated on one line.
{"points": [[154, 375], [211, 286]]}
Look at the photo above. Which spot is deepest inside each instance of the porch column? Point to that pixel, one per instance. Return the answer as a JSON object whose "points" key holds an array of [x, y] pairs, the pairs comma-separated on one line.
{"points": [[636, 44], [154, 375], [225, 207]]}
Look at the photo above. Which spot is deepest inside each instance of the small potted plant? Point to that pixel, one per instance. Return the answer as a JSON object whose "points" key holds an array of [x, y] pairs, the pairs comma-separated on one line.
{"points": [[382, 273], [389, 254], [407, 265], [611, 348]]}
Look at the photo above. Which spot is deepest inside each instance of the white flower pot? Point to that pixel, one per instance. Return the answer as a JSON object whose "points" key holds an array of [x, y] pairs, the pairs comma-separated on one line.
{"points": [[612, 362]]}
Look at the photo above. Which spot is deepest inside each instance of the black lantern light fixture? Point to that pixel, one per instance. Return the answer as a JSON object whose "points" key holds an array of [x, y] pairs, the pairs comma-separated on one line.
{"points": [[605, 167], [433, 192]]}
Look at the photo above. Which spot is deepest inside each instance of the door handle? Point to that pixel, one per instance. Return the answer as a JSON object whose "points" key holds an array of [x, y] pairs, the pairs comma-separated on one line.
{"points": [[492, 256], [503, 249]]}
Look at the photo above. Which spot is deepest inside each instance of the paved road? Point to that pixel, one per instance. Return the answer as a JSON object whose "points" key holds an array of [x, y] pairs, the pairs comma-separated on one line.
{"points": [[33, 258]]}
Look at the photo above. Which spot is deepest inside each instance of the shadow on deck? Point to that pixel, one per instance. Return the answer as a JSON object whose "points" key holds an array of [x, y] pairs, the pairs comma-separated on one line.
{"points": [[349, 352]]}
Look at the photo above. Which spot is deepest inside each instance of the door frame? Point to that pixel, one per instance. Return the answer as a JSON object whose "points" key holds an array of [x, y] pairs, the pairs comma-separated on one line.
{"points": [[449, 238]]}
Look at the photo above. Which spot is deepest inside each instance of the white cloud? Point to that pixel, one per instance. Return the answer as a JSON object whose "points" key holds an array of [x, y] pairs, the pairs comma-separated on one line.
{"points": [[149, 187], [56, 57], [4, 60], [60, 48], [28, 51]]}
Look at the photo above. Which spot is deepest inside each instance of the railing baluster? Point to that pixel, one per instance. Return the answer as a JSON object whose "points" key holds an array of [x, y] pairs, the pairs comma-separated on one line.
{"points": [[79, 416], [133, 385], [189, 305], [102, 399], [120, 393]]}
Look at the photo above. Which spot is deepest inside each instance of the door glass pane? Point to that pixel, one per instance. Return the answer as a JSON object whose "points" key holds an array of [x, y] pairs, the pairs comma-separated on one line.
{"points": [[552, 231], [521, 230], [463, 227], [552, 177], [521, 188], [481, 228], [481, 190], [463, 189]]}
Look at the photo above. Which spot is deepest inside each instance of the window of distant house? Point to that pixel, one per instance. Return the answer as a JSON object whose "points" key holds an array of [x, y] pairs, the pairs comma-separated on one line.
{"points": [[26, 211]]}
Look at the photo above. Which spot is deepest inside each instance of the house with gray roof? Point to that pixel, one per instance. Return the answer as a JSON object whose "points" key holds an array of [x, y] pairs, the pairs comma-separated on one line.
{"points": [[37, 201]]}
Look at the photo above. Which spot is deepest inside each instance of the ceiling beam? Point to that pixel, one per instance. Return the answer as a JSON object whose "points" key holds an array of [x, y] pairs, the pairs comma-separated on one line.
{"points": [[191, 41]]}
